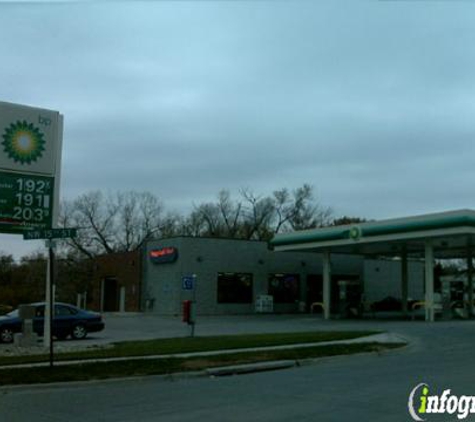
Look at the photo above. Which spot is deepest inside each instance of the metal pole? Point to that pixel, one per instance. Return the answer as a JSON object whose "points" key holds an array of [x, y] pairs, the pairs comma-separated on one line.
{"points": [[46, 322], [51, 308], [326, 285], [429, 273], [192, 325], [470, 283], [193, 308], [404, 281]]}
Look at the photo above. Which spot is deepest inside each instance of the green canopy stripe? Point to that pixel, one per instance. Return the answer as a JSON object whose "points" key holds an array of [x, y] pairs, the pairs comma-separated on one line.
{"points": [[372, 229]]}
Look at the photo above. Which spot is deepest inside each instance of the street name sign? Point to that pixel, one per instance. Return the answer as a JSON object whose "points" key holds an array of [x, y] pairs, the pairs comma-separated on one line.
{"points": [[66, 233]]}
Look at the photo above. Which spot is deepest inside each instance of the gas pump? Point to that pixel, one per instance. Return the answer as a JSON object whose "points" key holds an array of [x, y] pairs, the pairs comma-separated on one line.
{"points": [[342, 298], [446, 298], [454, 298], [459, 299], [349, 292]]}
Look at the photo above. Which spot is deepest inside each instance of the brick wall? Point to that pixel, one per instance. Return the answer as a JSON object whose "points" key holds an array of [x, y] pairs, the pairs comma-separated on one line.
{"points": [[125, 269]]}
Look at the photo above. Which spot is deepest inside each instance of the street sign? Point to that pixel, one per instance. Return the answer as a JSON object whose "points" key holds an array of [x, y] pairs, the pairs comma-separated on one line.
{"points": [[26, 202], [187, 282], [50, 234]]}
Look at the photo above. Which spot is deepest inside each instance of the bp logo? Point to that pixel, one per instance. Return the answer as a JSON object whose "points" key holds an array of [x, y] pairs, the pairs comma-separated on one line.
{"points": [[23, 142], [355, 233]]}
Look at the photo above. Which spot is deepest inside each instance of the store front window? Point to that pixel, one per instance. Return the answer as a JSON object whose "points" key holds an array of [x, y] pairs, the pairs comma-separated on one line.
{"points": [[234, 288], [285, 288]]}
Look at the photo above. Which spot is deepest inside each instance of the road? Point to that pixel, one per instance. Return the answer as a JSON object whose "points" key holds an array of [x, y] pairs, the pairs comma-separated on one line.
{"points": [[361, 388]]}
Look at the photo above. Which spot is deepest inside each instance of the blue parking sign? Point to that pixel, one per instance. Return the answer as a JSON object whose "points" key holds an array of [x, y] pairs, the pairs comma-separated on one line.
{"points": [[187, 282]]}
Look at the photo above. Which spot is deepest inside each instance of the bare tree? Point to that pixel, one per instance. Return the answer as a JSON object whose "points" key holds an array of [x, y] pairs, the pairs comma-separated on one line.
{"points": [[230, 213], [116, 223], [207, 220], [299, 210], [257, 216], [216, 219], [139, 215], [7, 264], [193, 225], [124, 221]]}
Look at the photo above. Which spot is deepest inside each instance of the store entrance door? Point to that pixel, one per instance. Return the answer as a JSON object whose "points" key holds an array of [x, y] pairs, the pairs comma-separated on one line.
{"points": [[111, 295], [314, 292]]}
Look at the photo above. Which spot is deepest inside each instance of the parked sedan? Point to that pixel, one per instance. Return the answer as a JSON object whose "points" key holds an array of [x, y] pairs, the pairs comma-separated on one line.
{"points": [[68, 321]]}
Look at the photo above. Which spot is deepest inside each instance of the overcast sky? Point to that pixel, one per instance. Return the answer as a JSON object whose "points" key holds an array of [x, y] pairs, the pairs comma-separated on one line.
{"points": [[371, 102]]}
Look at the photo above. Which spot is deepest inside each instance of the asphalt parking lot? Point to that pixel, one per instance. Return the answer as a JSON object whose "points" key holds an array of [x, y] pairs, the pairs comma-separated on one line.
{"points": [[136, 326], [127, 327]]}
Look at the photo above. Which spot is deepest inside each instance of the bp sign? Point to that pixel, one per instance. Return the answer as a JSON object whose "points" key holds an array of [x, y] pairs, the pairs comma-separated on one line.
{"points": [[30, 159], [29, 139]]}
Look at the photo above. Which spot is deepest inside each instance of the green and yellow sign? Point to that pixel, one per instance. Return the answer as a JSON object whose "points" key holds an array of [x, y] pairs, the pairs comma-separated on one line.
{"points": [[23, 142], [30, 158], [29, 139]]}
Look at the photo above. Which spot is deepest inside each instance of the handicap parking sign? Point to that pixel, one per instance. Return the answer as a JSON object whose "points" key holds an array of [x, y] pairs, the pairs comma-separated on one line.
{"points": [[187, 282]]}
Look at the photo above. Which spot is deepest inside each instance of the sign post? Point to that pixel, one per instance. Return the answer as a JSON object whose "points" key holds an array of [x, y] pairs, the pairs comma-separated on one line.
{"points": [[50, 283], [50, 235], [193, 309], [30, 164]]}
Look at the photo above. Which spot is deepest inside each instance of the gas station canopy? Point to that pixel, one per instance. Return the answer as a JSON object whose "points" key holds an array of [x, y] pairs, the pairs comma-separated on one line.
{"points": [[451, 234], [442, 235]]}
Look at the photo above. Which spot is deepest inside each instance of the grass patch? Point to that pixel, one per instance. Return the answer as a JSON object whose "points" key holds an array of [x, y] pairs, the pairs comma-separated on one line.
{"points": [[196, 344], [105, 370]]}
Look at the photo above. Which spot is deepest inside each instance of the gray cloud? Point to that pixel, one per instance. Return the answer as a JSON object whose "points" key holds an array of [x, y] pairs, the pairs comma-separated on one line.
{"points": [[371, 102]]}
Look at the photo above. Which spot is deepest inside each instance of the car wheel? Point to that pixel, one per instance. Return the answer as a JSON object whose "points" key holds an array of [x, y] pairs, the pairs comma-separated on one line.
{"points": [[6, 335], [79, 332]]}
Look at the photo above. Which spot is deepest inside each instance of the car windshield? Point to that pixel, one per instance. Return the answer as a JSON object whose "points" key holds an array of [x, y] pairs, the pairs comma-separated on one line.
{"points": [[13, 314]]}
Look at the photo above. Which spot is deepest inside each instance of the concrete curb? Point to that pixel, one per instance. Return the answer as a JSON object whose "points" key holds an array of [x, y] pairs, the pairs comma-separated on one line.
{"points": [[250, 368], [285, 364]]}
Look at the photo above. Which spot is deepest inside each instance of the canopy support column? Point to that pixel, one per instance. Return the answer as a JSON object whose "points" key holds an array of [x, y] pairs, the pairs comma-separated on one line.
{"points": [[404, 281], [470, 283], [429, 281], [326, 285]]}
